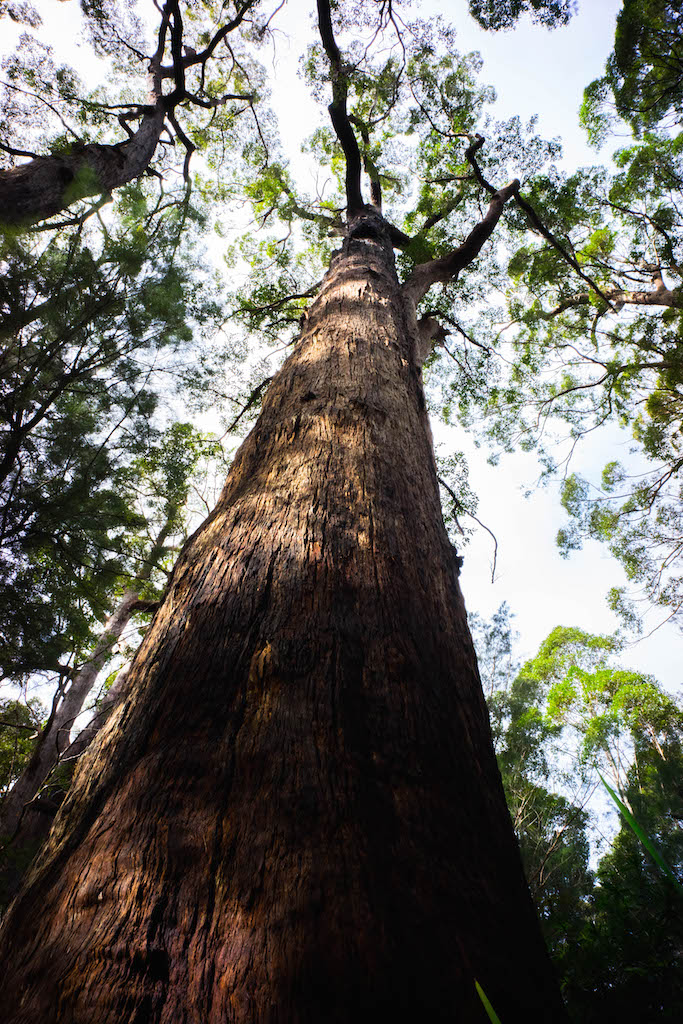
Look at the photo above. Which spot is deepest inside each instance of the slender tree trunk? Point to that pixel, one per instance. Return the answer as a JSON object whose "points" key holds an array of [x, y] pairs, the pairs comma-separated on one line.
{"points": [[55, 738], [35, 817], [295, 816], [104, 709], [25, 818], [49, 184]]}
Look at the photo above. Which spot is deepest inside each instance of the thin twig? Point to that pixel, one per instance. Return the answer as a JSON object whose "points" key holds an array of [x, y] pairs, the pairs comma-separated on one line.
{"points": [[461, 508]]}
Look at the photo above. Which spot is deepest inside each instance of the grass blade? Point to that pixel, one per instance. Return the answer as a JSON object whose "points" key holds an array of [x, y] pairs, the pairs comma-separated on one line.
{"points": [[645, 840], [493, 1016]]}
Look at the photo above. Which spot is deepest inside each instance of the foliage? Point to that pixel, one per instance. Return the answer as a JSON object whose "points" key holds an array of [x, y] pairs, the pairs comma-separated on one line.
{"points": [[86, 314], [492, 1015], [642, 80], [503, 14], [627, 964], [195, 71], [19, 725], [495, 639], [580, 356], [99, 313], [610, 354], [614, 933], [642, 836]]}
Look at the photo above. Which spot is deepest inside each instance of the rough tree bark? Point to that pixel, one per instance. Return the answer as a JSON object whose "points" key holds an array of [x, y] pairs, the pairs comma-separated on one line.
{"points": [[295, 815]]}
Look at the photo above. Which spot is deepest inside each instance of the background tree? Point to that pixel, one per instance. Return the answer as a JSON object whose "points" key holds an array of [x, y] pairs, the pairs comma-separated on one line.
{"points": [[86, 315], [606, 353], [590, 362], [644, 73], [614, 937], [546, 789], [613, 927], [495, 15], [19, 724], [162, 479]]}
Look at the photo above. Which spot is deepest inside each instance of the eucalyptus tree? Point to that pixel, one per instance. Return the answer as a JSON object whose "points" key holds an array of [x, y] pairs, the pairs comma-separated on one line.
{"points": [[642, 80], [589, 357], [296, 814], [627, 961], [615, 714], [621, 956], [611, 920], [608, 350]]}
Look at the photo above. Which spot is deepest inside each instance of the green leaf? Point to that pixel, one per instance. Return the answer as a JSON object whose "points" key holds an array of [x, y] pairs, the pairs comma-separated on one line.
{"points": [[492, 1015]]}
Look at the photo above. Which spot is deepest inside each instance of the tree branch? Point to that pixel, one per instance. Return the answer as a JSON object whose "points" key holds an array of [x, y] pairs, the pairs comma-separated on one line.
{"points": [[368, 163], [618, 297], [251, 400], [447, 208], [531, 216], [201, 58], [461, 508], [19, 152], [8, 723], [448, 267], [179, 92], [338, 112]]}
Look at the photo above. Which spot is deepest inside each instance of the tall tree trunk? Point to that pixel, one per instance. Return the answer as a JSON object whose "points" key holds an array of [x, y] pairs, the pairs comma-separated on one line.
{"points": [[295, 815]]}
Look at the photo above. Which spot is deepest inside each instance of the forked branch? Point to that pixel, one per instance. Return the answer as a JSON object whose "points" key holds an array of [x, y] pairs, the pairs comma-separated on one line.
{"points": [[448, 267], [46, 185], [533, 218]]}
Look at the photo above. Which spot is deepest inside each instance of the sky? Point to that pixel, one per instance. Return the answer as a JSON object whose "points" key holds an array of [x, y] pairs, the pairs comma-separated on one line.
{"points": [[534, 72]]}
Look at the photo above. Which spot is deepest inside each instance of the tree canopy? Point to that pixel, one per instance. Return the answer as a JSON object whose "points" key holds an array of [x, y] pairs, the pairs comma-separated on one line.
{"points": [[547, 301], [611, 916]]}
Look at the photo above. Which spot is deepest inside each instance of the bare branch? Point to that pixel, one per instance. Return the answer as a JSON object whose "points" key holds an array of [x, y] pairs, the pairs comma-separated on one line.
{"points": [[18, 152], [250, 402], [618, 297], [187, 143], [8, 723], [461, 508]]}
